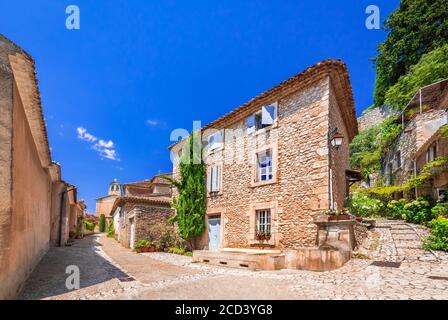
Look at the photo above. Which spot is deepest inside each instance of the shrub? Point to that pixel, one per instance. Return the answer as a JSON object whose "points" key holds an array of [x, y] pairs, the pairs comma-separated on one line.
{"points": [[163, 236], [141, 244], [417, 211], [370, 145], [102, 225], [180, 250], [176, 250], [438, 239], [395, 208], [440, 209], [90, 225], [363, 205], [111, 230]]}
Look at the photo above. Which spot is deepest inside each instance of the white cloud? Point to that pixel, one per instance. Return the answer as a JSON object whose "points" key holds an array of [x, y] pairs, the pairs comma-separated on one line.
{"points": [[109, 144], [105, 148], [84, 135], [152, 122]]}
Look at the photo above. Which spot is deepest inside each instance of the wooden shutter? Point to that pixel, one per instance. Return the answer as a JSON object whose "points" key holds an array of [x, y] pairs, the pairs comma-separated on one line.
{"points": [[218, 178], [209, 179], [268, 114], [250, 124]]}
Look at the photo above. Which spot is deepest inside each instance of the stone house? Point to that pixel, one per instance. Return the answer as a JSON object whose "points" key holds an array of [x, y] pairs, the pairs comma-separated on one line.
{"points": [[34, 212], [273, 165], [419, 142], [144, 204]]}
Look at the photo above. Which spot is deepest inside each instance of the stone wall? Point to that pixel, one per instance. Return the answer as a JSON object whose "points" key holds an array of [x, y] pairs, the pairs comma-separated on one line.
{"points": [[145, 216], [374, 116], [300, 188], [148, 218], [339, 156], [9, 283], [415, 133]]}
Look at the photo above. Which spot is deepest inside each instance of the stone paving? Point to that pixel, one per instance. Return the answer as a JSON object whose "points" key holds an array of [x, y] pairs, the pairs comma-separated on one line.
{"points": [[421, 274]]}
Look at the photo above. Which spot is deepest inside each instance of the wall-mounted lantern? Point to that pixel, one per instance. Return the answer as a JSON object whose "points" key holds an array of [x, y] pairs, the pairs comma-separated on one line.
{"points": [[336, 139]]}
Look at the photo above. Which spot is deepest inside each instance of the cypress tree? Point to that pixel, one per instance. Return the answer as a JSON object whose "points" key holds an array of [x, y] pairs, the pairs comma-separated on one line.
{"points": [[190, 205]]}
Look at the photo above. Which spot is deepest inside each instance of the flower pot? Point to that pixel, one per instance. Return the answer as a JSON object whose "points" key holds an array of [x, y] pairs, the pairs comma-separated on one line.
{"points": [[339, 217], [262, 237]]}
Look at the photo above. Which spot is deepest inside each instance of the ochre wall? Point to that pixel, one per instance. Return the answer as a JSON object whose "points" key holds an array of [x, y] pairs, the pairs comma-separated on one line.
{"points": [[104, 206], [30, 220]]}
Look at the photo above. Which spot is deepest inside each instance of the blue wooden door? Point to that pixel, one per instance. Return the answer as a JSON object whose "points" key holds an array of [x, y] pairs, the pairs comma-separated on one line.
{"points": [[214, 232]]}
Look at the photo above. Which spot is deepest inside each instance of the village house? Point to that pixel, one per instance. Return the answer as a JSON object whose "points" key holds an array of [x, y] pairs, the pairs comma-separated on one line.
{"points": [[37, 208], [144, 204], [105, 203], [278, 162], [420, 142]]}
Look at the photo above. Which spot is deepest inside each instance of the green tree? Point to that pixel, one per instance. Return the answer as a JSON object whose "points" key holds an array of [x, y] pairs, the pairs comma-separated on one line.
{"points": [[190, 205], [111, 230], [102, 224], [431, 68], [416, 27], [369, 146]]}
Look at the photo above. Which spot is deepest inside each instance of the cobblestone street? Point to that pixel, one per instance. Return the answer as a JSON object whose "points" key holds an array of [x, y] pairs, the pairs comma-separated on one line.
{"points": [[109, 271]]}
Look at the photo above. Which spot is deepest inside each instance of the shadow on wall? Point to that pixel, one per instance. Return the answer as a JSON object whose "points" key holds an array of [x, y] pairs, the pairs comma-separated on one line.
{"points": [[94, 269]]}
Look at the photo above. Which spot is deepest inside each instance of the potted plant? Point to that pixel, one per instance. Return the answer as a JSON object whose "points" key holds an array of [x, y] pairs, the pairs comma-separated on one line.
{"points": [[338, 215], [263, 235], [144, 246]]}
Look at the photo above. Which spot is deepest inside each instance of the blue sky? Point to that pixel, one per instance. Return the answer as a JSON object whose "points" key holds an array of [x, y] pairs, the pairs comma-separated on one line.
{"points": [[138, 69]]}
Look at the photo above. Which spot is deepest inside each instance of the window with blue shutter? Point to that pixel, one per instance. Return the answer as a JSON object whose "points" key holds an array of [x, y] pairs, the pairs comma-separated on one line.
{"points": [[251, 124], [264, 166], [214, 179], [263, 118]]}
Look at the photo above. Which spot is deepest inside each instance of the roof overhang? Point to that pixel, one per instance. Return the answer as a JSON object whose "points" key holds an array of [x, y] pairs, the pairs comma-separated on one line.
{"points": [[335, 69]]}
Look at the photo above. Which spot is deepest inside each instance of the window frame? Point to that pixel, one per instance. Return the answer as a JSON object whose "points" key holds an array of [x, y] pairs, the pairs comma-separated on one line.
{"points": [[215, 146], [258, 125], [398, 159], [264, 170], [211, 178], [431, 152], [263, 221], [255, 180]]}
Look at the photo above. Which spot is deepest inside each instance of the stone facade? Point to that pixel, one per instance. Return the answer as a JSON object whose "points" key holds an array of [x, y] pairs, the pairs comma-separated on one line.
{"points": [[31, 218], [143, 205], [144, 215], [375, 116], [407, 155], [310, 107]]}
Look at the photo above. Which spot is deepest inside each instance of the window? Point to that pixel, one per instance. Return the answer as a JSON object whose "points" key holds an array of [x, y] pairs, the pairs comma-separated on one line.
{"points": [[214, 179], [264, 165], [263, 118], [431, 153], [441, 194], [398, 160], [263, 221], [215, 141]]}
